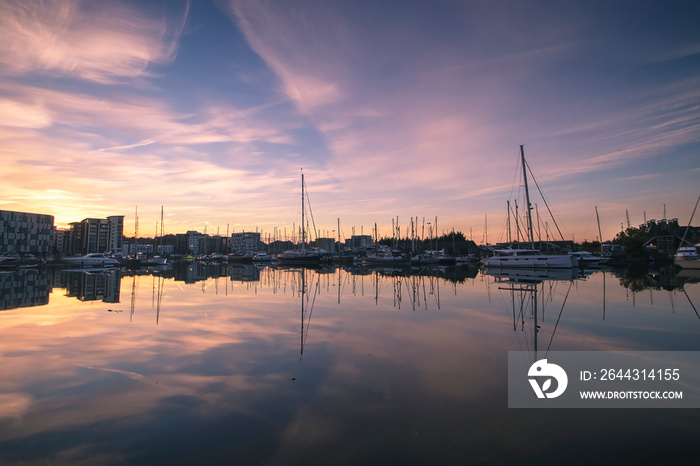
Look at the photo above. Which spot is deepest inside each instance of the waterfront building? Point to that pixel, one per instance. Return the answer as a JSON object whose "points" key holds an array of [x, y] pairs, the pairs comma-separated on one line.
{"points": [[133, 249], [359, 242], [196, 242], [26, 233], [182, 245], [61, 238], [96, 235], [245, 242], [201, 244], [115, 232], [326, 244]]}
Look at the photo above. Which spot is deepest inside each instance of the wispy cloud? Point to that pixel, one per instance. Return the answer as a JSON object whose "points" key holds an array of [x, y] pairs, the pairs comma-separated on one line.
{"points": [[95, 41]]}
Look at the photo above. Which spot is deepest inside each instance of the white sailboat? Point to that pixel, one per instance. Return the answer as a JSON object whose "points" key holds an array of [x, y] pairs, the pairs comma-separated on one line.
{"points": [[528, 258]]}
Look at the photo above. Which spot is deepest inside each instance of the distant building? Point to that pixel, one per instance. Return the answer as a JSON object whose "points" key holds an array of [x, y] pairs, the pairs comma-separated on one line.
{"points": [[182, 245], [359, 242], [245, 242], [96, 235], [26, 233], [196, 242], [60, 241], [326, 244], [115, 232]]}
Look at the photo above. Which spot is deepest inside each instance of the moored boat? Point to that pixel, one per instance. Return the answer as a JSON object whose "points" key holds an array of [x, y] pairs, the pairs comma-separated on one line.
{"points": [[588, 259], [302, 256], [91, 260], [262, 257], [9, 259], [235, 258], [687, 257], [529, 258], [383, 255], [299, 258]]}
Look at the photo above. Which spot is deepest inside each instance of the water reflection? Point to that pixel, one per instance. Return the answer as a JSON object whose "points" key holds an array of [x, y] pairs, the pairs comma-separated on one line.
{"points": [[24, 288], [211, 364]]}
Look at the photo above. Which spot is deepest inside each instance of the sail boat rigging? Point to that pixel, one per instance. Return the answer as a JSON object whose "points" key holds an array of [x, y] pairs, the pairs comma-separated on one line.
{"points": [[158, 259], [302, 256], [687, 256], [528, 258]]}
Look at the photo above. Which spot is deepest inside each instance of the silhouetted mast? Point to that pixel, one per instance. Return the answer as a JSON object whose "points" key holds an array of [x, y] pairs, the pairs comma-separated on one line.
{"points": [[527, 199]]}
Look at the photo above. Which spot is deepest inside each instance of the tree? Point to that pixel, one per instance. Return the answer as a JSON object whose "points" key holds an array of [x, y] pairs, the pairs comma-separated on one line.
{"points": [[633, 241]]}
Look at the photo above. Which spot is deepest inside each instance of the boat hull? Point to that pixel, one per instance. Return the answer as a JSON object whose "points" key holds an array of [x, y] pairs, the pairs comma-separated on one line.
{"points": [[688, 264], [81, 262], [300, 259], [544, 261]]}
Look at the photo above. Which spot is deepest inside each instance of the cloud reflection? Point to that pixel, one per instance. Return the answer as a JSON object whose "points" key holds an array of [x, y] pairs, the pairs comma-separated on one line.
{"points": [[223, 352]]}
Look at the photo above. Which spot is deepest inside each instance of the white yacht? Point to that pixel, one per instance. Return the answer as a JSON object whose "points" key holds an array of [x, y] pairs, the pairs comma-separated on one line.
{"points": [[529, 258], [91, 260], [10, 259], [687, 257]]}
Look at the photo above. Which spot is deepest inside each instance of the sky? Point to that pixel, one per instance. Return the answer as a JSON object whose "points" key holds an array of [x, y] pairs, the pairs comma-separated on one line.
{"points": [[394, 110]]}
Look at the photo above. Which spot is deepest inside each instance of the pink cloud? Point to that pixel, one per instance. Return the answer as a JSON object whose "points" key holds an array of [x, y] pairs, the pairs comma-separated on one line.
{"points": [[94, 41]]}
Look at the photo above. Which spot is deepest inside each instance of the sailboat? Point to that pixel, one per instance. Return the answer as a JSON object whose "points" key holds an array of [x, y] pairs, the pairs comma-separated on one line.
{"points": [[158, 259], [687, 256], [528, 258], [301, 256]]}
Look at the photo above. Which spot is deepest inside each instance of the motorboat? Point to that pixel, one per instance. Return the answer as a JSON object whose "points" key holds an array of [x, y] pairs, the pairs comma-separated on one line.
{"points": [[91, 260], [157, 260], [383, 255], [9, 259], [433, 258], [687, 257], [262, 257], [588, 259]]}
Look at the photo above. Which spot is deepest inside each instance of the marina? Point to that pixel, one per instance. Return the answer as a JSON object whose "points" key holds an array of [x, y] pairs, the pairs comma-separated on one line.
{"points": [[205, 362], [168, 296]]}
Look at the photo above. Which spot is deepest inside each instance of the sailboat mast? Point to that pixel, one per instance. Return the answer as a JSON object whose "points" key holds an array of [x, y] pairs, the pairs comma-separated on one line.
{"points": [[303, 228], [527, 199], [689, 221], [508, 209], [161, 229], [600, 235]]}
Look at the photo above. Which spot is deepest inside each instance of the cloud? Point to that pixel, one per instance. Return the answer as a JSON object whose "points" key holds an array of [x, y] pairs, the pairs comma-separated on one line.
{"points": [[23, 115], [139, 120], [279, 32], [101, 42]]}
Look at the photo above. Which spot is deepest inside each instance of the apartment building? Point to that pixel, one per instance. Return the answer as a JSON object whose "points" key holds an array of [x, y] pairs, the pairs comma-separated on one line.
{"points": [[26, 233]]}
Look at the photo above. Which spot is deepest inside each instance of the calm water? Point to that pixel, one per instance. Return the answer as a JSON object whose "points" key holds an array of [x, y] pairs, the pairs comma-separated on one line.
{"points": [[208, 365]]}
